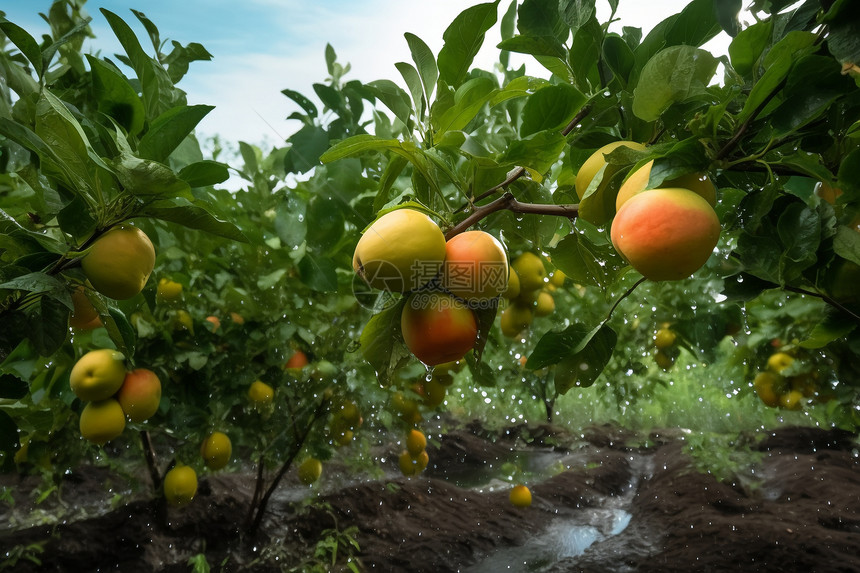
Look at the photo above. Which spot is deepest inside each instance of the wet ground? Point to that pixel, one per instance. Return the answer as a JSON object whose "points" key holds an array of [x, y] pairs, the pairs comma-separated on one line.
{"points": [[602, 502]]}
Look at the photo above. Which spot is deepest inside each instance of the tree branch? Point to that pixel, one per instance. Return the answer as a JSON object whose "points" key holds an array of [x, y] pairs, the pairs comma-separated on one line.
{"points": [[520, 171], [510, 203]]}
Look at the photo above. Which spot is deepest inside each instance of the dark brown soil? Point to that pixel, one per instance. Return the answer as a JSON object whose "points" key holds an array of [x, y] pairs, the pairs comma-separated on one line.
{"points": [[800, 513]]}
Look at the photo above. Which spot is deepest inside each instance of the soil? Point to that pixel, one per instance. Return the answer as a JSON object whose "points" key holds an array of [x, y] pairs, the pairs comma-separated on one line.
{"points": [[799, 512]]}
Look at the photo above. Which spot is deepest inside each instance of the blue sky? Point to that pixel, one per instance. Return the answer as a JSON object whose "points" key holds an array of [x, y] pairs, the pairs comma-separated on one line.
{"points": [[263, 46]]}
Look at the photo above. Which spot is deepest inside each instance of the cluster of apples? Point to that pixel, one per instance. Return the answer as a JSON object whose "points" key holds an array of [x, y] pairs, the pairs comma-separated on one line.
{"points": [[529, 293], [405, 251], [414, 459], [665, 233], [777, 388], [112, 393]]}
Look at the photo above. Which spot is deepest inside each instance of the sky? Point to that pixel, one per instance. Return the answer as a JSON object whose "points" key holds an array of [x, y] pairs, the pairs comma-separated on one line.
{"points": [[261, 47]]}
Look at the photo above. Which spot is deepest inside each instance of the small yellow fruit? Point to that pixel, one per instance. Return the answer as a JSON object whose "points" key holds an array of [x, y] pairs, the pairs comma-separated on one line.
{"points": [[663, 360], [556, 279], [434, 392], [216, 450], [545, 304], [102, 421], [520, 496], [413, 465], [792, 400], [261, 393], [592, 166], [180, 485], [169, 290], [183, 321], [98, 374], [767, 385], [237, 318], [513, 289], [310, 471], [664, 338], [530, 270], [415, 442], [119, 262], [779, 361], [515, 319]]}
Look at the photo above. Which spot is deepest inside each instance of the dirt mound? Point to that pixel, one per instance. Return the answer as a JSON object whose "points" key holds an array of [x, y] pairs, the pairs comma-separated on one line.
{"points": [[804, 513]]}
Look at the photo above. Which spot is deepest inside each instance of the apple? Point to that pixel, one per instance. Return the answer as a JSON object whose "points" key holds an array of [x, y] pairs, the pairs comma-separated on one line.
{"points": [[309, 471], [98, 374], [401, 251], [140, 394], [666, 234], [119, 262], [180, 485], [530, 270], [476, 266], [437, 327], [216, 450], [102, 421]]}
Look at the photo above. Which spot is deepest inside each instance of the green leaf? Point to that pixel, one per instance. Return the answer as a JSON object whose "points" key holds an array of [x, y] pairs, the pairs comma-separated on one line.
{"points": [[576, 13], [746, 48], [619, 57], [116, 97], [843, 41], [777, 62], [413, 81], [693, 26], [812, 85], [41, 283], [204, 173], [49, 324], [727, 15], [144, 177], [318, 273], [672, 76], [849, 174], [536, 46], [462, 40], [541, 18], [120, 331], [833, 326], [169, 129], [537, 152], [425, 63], [393, 97], [582, 369], [846, 244], [468, 101], [291, 221], [307, 105], [578, 341], [307, 145], [550, 108], [24, 42], [587, 262], [382, 342], [56, 126], [193, 216], [389, 176]]}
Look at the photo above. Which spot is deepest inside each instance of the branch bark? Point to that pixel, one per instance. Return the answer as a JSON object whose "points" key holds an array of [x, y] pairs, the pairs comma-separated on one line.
{"points": [[510, 203]]}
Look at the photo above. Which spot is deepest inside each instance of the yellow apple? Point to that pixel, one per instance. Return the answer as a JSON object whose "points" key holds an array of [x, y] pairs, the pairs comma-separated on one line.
{"points": [[400, 251], [102, 421], [140, 394], [98, 374], [119, 262]]}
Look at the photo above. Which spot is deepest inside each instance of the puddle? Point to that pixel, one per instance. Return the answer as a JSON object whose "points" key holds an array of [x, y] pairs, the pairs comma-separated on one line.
{"points": [[561, 540]]}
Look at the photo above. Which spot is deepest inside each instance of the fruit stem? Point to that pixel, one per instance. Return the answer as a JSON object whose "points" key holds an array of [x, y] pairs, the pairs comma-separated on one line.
{"points": [[509, 202]]}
